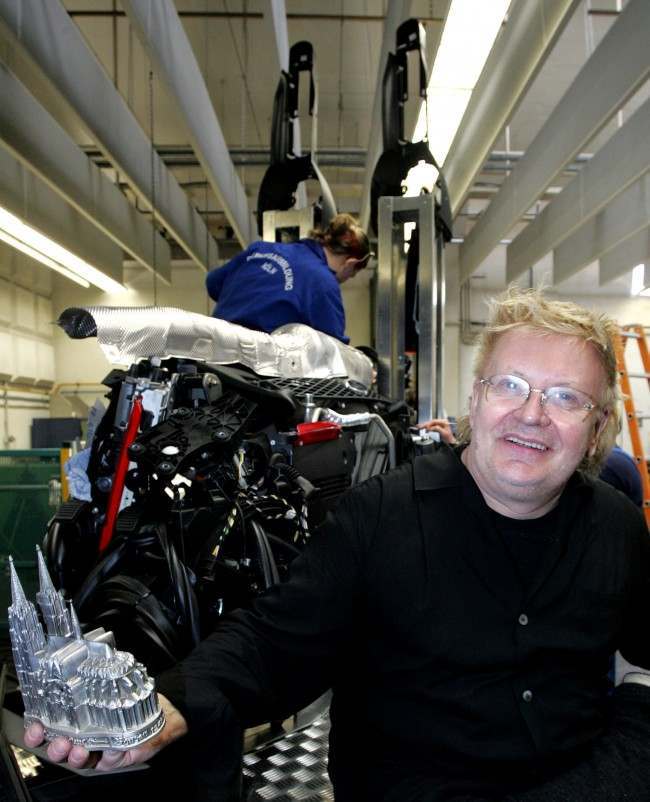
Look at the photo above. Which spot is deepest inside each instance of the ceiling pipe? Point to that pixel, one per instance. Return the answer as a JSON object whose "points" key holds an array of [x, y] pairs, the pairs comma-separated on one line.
{"points": [[169, 47], [50, 49], [520, 50], [613, 72]]}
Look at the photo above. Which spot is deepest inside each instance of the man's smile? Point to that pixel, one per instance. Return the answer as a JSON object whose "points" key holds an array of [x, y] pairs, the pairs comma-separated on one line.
{"points": [[525, 443]]}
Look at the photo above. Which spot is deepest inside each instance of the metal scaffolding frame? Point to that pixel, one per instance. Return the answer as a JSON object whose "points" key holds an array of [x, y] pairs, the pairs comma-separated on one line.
{"points": [[302, 219], [390, 316]]}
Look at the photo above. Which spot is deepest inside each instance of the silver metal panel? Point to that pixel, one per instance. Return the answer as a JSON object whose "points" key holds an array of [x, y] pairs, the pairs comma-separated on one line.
{"points": [[519, 51], [34, 136], [617, 67], [389, 320], [128, 334], [438, 408], [627, 214], [292, 768], [627, 254], [396, 13], [302, 219], [623, 158], [24, 194], [398, 304], [429, 372], [390, 313], [165, 41], [46, 33]]}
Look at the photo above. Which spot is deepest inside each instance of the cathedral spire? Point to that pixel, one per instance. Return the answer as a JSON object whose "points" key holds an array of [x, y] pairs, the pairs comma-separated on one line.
{"points": [[44, 579], [76, 626], [53, 609], [18, 598]]}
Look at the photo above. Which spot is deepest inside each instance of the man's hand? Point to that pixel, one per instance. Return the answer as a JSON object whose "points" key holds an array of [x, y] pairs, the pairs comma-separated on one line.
{"points": [[78, 757], [442, 426]]}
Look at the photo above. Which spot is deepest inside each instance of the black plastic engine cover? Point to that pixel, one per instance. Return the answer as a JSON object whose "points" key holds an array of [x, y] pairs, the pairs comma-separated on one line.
{"points": [[329, 467]]}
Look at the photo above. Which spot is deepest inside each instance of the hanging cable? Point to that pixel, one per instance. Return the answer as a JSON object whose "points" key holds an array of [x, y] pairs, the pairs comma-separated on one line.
{"points": [[339, 138], [152, 198], [243, 76], [206, 53], [115, 70]]}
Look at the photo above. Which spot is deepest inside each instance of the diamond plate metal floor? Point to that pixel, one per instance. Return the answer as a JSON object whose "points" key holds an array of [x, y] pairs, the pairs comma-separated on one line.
{"points": [[292, 768]]}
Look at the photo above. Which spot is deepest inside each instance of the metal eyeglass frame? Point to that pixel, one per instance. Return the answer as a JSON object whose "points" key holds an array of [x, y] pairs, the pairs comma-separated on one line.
{"points": [[589, 406]]}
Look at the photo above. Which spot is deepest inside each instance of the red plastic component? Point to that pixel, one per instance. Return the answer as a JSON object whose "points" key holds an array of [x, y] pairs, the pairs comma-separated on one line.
{"points": [[319, 432], [115, 498]]}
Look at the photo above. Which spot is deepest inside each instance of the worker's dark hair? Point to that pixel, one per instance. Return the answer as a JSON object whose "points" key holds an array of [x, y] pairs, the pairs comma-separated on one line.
{"points": [[344, 235], [370, 352]]}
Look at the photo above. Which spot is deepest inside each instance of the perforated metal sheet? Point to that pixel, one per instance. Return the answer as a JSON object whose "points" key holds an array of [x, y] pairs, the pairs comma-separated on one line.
{"points": [[319, 388], [292, 768]]}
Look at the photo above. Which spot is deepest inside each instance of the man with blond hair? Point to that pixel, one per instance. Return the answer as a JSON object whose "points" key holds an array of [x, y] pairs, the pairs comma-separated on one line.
{"points": [[464, 607]]}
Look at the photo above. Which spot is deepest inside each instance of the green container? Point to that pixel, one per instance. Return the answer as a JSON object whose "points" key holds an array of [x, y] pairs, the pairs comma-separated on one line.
{"points": [[24, 512]]}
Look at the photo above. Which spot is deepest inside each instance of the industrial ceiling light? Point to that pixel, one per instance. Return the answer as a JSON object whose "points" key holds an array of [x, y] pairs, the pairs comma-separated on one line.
{"points": [[24, 238], [640, 280], [467, 38], [40, 257]]}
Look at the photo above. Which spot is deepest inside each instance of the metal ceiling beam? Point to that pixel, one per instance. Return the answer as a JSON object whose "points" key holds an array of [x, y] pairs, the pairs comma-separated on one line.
{"points": [[633, 251], [246, 15], [621, 160], [24, 195], [45, 33], [165, 41], [275, 18], [32, 135], [520, 50], [398, 11], [627, 214], [616, 68]]}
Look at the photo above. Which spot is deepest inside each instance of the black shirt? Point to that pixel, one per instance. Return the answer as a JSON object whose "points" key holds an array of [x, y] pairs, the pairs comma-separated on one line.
{"points": [[446, 671], [528, 539]]}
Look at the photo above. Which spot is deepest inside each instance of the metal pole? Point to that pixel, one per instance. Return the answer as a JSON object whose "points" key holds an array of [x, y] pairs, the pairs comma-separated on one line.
{"points": [[384, 312], [390, 302]]}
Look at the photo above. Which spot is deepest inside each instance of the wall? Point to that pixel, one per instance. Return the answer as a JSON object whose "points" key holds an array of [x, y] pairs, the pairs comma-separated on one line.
{"points": [[26, 346], [356, 302], [82, 360]]}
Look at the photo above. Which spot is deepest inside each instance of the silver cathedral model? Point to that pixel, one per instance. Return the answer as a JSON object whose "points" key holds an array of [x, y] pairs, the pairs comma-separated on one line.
{"points": [[78, 686]]}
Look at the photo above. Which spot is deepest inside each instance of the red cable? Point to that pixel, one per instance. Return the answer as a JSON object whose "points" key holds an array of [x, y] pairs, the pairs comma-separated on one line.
{"points": [[113, 506]]}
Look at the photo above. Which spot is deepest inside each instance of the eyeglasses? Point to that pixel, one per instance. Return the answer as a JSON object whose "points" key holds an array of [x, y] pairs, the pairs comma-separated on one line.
{"points": [[561, 403]]}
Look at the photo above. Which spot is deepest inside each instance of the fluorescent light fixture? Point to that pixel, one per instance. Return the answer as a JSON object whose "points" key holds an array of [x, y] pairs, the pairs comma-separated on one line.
{"points": [[640, 280], [24, 248], [467, 38], [24, 238]]}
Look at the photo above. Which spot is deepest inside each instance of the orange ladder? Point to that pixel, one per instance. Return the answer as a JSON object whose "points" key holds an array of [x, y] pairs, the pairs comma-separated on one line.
{"points": [[635, 332]]}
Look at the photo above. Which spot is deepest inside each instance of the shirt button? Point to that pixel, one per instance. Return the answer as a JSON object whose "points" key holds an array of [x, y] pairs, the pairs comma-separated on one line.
{"points": [[527, 696], [523, 619]]}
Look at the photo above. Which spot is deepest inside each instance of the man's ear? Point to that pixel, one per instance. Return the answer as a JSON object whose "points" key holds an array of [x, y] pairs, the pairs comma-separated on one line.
{"points": [[473, 401], [599, 428]]}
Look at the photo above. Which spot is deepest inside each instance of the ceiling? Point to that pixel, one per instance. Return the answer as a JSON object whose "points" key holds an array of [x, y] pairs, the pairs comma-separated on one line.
{"points": [[236, 54]]}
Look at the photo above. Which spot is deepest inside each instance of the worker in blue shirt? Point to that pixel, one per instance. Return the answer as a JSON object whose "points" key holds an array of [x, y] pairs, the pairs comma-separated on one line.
{"points": [[273, 283], [620, 471]]}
